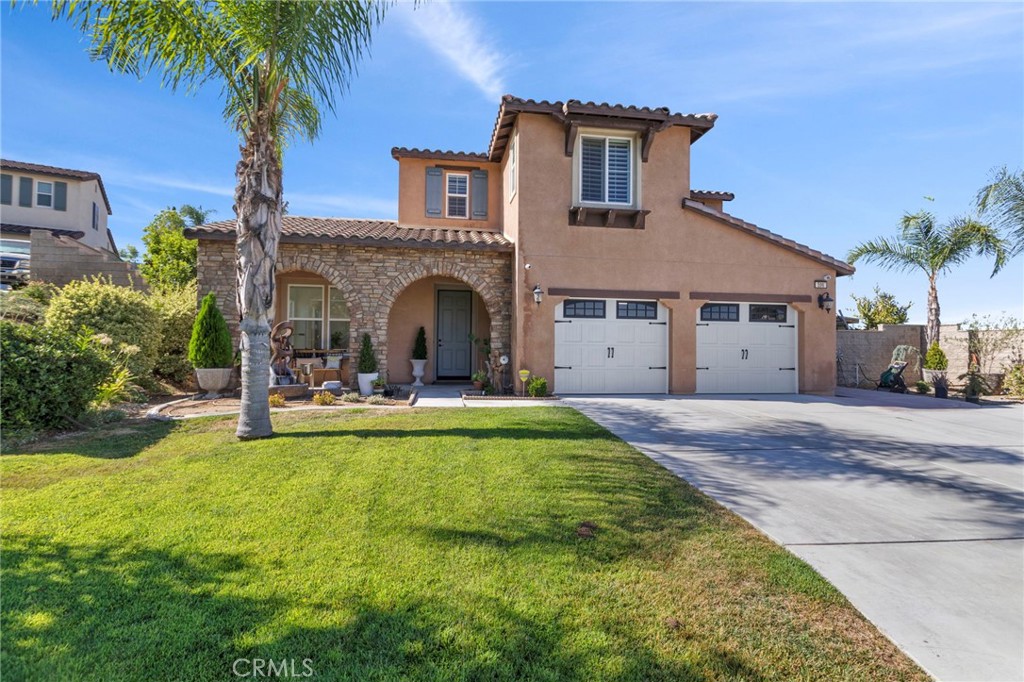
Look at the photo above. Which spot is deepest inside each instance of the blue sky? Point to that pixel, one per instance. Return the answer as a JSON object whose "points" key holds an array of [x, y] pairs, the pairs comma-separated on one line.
{"points": [[834, 118]]}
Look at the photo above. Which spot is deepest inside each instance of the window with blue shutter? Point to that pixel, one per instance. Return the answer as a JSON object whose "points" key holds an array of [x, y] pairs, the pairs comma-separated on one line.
{"points": [[434, 192], [458, 195], [479, 189], [6, 189], [25, 192]]}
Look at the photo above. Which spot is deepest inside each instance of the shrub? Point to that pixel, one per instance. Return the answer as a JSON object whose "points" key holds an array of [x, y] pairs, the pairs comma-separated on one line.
{"points": [[48, 377], [210, 344], [1013, 382], [176, 307], [350, 397], [922, 387], [367, 360], [935, 358], [419, 349], [16, 307], [537, 387], [123, 314], [323, 398], [377, 400], [277, 400]]}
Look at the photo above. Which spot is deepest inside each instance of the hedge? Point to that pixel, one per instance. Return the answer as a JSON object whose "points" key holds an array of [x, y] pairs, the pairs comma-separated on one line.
{"points": [[176, 307]]}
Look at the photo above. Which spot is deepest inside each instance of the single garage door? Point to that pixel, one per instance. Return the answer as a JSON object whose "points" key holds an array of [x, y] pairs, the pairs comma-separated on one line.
{"points": [[611, 346], [746, 348]]}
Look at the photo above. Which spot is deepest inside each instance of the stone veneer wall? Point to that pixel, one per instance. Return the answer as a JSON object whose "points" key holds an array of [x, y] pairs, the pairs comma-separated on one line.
{"points": [[872, 350], [371, 278], [62, 259]]}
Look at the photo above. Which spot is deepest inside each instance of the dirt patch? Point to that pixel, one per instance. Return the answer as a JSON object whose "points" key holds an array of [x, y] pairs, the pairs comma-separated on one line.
{"points": [[196, 408]]}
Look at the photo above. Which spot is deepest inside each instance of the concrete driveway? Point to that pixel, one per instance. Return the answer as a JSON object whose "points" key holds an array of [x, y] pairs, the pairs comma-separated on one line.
{"points": [[913, 507]]}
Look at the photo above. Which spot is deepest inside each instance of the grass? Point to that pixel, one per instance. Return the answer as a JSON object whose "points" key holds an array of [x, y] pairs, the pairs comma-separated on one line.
{"points": [[423, 545]]}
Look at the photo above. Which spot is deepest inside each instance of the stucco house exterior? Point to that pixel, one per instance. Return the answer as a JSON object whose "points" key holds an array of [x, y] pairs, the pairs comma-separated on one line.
{"points": [[576, 244], [53, 225]]}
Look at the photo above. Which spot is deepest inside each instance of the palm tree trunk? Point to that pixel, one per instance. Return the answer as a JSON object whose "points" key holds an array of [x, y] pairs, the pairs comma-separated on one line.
{"points": [[932, 331], [258, 230]]}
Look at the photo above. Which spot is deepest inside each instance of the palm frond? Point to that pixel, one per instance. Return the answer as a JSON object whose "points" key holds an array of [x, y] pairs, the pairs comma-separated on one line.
{"points": [[1002, 201], [892, 254]]}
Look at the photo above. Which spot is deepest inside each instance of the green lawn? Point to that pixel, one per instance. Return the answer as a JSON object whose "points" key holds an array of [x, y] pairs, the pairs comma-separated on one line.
{"points": [[440, 544]]}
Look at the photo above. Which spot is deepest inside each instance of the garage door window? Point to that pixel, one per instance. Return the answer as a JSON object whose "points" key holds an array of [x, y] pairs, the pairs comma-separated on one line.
{"points": [[583, 309], [767, 313], [720, 312], [636, 310]]}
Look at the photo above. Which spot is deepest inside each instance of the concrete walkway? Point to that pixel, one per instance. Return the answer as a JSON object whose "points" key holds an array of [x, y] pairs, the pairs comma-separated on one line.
{"points": [[448, 395], [912, 506]]}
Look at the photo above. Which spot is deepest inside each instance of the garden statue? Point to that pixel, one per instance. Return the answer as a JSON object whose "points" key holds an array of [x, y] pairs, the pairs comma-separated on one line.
{"points": [[281, 354]]}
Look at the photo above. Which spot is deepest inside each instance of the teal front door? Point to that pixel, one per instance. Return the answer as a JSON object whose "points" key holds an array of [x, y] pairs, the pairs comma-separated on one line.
{"points": [[454, 322]]}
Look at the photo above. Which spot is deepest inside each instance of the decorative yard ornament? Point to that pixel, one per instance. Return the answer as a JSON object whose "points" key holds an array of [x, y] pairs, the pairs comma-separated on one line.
{"points": [[524, 376]]}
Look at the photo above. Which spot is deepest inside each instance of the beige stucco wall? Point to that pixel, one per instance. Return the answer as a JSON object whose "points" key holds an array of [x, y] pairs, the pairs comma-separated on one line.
{"points": [[417, 307], [678, 251], [81, 195], [62, 259], [412, 188]]}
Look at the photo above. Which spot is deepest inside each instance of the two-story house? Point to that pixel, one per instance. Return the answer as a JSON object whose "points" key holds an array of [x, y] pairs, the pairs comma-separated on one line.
{"points": [[577, 246], [53, 224]]}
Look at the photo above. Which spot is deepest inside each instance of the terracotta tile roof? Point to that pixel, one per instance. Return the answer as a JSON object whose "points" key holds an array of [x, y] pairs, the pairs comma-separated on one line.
{"points": [[839, 266], [711, 194], [27, 229], [442, 155], [7, 164], [512, 106], [298, 229]]}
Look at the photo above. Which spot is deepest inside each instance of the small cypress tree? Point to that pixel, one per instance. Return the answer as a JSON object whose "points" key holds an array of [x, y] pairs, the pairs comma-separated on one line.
{"points": [[419, 349], [367, 360], [210, 345], [935, 358]]}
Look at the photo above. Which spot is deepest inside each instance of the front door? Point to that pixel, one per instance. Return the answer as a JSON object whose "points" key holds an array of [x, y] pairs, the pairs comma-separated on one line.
{"points": [[454, 322]]}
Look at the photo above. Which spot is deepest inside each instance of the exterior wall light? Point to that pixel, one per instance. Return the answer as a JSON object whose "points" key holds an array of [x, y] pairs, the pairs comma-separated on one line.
{"points": [[825, 302], [538, 294]]}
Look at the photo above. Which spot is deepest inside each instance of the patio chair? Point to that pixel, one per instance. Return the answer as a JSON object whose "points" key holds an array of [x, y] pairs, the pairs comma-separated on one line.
{"points": [[892, 378]]}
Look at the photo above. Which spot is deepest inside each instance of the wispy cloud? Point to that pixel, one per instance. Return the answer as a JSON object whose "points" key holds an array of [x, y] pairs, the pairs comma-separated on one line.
{"points": [[306, 203], [450, 31]]}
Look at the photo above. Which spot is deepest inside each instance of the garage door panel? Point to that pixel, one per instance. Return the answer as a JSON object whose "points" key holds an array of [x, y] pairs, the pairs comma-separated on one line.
{"points": [[593, 331], [746, 357]]}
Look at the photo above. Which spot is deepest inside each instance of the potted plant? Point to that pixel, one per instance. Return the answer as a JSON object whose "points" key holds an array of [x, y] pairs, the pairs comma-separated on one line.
{"points": [[379, 384], [367, 366], [941, 385], [209, 349], [935, 364], [975, 384], [479, 378], [419, 357]]}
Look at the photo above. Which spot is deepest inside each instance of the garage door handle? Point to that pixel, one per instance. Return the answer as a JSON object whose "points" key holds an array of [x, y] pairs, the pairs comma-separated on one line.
{"points": [[560, 367], [791, 326], [787, 369], [702, 324], [563, 321], [661, 368], [657, 323], [703, 368]]}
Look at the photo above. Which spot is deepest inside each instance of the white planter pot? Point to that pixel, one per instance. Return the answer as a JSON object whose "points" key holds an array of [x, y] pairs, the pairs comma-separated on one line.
{"points": [[214, 380], [930, 375], [366, 382], [419, 368]]}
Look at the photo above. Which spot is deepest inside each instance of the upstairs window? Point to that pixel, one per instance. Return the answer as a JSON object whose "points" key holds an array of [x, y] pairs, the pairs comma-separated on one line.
{"points": [[44, 194], [513, 173], [605, 170], [458, 195], [95, 216], [6, 189]]}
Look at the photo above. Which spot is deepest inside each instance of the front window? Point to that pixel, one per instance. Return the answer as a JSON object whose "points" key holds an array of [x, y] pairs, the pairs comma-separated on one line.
{"points": [[606, 170], [338, 321], [306, 312], [44, 194], [458, 195]]}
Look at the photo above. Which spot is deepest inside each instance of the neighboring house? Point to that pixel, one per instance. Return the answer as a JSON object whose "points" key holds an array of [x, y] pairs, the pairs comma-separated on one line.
{"points": [[53, 225], [577, 246]]}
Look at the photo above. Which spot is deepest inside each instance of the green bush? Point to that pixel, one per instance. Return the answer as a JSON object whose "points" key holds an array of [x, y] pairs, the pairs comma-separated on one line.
{"points": [[935, 358], [922, 387], [123, 314], [1013, 381], [210, 344], [177, 309], [537, 387], [48, 377], [367, 360], [419, 349]]}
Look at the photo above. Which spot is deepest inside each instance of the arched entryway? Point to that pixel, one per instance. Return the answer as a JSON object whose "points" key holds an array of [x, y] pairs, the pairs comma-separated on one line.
{"points": [[319, 302]]}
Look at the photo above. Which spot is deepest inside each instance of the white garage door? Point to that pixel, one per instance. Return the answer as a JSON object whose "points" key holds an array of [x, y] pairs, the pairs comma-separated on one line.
{"points": [[746, 348], [611, 346]]}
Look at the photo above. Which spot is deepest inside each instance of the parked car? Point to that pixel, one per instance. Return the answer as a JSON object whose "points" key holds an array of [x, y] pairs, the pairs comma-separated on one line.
{"points": [[14, 269]]}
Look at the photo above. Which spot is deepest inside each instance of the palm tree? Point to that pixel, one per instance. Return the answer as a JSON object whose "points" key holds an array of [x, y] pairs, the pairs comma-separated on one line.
{"points": [[935, 249], [278, 62], [1003, 199]]}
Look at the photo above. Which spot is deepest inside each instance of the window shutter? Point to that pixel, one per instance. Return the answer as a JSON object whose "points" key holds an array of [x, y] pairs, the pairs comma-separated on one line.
{"points": [[6, 189], [479, 190], [25, 192], [434, 178], [60, 196]]}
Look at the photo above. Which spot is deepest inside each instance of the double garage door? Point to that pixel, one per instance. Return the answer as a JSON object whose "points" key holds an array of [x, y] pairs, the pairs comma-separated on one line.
{"points": [[621, 346]]}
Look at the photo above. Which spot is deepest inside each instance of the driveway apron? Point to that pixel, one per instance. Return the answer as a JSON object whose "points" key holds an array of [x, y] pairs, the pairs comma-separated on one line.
{"points": [[914, 510]]}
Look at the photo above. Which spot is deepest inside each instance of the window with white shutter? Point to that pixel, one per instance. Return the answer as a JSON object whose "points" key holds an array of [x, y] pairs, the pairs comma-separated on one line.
{"points": [[458, 195], [604, 170]]}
